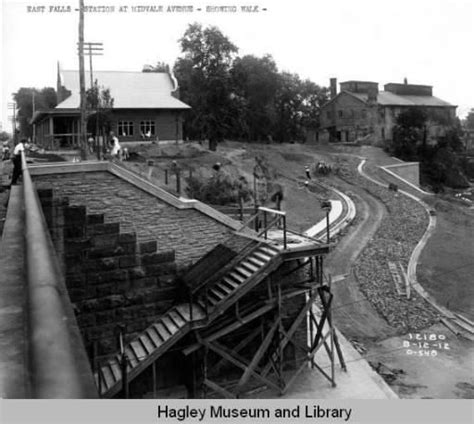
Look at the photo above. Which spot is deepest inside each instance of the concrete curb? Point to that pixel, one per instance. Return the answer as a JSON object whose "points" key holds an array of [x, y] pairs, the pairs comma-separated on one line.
{"points": [[336, 222]]}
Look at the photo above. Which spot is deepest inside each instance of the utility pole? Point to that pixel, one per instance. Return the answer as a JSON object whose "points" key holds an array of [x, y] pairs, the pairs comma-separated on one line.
{"points": [[91, 49], [32, 116], [82, 84]]}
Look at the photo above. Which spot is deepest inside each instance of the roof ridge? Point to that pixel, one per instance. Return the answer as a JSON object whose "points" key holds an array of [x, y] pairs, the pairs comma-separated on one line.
{"points": [[128, 72]]}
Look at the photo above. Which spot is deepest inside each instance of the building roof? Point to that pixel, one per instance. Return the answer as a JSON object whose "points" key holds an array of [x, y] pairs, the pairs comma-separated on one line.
{"points": [[386, 98], [130, 90]]}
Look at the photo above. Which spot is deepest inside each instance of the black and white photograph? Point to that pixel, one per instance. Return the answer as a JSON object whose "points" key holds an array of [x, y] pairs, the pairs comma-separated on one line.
{"points": [[237, 211]]}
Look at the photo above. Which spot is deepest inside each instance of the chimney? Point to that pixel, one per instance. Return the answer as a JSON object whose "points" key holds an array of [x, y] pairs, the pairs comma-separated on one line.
{"points": [[333, 87], [372, 92]]}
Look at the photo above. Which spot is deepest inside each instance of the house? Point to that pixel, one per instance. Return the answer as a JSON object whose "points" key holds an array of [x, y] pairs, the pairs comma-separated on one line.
{"points": [[361, 112], [146, 106]]}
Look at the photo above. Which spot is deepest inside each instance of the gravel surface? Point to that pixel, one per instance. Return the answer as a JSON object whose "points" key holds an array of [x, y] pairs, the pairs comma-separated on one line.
{"points": [[401, 229]]}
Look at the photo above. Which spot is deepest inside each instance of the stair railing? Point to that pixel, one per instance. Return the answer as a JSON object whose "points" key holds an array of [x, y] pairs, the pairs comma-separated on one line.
{"points": [[279, 220]]}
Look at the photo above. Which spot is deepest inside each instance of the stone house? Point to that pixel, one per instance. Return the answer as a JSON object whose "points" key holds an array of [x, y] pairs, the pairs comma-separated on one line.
{"points": [[361, 112], [146, 106]]}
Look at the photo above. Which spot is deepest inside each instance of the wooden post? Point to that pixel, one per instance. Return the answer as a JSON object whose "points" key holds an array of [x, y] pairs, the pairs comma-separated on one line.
{"points": [[123, 364], [153, 367], [82, 83], [178, 181], [265, 223], [150, 164]]}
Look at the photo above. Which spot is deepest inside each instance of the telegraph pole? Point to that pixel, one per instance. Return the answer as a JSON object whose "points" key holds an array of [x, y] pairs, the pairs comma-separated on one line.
{"points": [[82, 84], [33, 114], [93, 49]]}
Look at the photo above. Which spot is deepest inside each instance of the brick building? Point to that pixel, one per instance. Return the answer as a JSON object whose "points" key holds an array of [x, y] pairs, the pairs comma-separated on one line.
{"points": [[361, 112], [146, 106]]}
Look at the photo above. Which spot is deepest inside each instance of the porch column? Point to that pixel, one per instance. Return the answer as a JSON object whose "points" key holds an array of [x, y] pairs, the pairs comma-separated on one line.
{"points": [[51, 132]]}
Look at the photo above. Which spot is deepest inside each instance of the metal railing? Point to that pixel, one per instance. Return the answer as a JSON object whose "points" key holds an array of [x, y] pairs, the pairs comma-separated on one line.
{"points": [[56, 352], [259, 222]]}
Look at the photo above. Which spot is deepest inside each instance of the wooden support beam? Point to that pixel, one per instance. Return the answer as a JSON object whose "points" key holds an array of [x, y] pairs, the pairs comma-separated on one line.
{"points": [[231, 327], [258, 355], [219, 389], [230, 356], [243, 343], [294, 326]]}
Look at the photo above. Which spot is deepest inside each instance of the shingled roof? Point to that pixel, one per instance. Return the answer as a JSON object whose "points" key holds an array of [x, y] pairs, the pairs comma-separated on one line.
{"points": [[130, 90]]}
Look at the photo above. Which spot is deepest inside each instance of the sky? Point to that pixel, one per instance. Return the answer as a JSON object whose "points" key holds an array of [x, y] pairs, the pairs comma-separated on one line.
{"points": [[426, 41]]}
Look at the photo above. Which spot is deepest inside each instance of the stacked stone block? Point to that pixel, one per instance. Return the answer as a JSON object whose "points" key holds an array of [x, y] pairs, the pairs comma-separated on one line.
{"points": [[113, 280]]}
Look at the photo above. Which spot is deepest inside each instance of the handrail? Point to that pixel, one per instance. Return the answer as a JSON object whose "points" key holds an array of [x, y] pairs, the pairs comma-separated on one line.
{"points": [[280, 216], [57, 370], [248, 248]]}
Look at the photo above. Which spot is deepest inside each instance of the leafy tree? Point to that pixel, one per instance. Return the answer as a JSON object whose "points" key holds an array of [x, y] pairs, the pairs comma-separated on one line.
{"points": [[99, 103], [44, 99], [205, 81], [408, 132], [256, 82], [469, 121], [4, 136], [439, 164], [158, 67]]}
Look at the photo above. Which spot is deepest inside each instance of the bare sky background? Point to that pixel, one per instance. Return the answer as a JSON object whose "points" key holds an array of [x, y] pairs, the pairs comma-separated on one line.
{"points": [[426, 41]]}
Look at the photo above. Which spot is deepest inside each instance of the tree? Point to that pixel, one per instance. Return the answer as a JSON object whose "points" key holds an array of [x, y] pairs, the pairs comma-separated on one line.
{"points": [[44, 98], [408, 132], [469, 121], [99, 103], [158, 67], [205, 82], [255, 81], [298, 104]]}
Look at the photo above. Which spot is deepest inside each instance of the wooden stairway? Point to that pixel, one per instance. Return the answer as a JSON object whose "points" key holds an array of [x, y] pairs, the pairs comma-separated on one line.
{"points": [[179, 320]]}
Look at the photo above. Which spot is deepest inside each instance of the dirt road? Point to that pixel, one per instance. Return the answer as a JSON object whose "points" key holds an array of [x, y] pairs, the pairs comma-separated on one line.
{"points": [[353, 314]]}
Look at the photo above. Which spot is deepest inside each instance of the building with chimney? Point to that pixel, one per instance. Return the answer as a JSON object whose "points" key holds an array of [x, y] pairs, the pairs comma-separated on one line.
{"points": [[360, 112]]}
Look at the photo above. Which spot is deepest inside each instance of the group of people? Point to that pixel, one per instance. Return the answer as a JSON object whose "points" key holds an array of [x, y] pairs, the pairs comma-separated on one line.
{"points": [[116, 152], [115, 149]]}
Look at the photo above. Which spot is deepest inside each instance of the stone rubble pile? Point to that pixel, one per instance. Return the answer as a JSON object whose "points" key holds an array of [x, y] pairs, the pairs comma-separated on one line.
{"points": [[400, 231]]}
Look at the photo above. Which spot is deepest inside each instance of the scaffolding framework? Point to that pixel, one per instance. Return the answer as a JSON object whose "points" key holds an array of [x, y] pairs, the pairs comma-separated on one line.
{"points": [[267, 362]]}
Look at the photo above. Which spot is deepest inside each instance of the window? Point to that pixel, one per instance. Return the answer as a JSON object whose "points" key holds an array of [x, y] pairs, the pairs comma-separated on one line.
{"points": [[147, 128], [125, 128], [364, 114], [328, 114], [339, 112]]}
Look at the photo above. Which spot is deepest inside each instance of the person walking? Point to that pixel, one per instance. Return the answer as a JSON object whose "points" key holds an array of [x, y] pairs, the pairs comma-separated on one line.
{"points": [[16, 159]]}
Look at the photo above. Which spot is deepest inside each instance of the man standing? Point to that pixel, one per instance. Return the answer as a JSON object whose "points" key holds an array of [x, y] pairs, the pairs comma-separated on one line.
{"points": [[20, 147], [116, 148]]}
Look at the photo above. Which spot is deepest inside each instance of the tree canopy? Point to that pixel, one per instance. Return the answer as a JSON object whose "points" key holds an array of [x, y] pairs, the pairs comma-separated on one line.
{"points": [[44, 99], [244, 98], [158, 67], [204, 74], [469, 121]]}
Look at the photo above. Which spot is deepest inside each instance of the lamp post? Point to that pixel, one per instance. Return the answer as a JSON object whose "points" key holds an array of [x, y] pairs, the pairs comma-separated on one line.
{"points": [[326, 206]]}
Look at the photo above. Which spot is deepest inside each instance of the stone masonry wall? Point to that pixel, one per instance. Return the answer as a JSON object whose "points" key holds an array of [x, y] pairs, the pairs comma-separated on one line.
{"points": [[121, 251], [190, 233], [112, 279]]}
